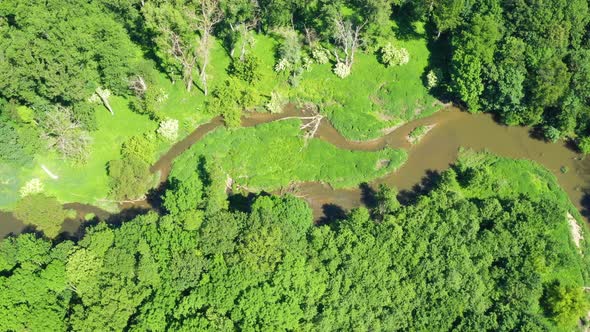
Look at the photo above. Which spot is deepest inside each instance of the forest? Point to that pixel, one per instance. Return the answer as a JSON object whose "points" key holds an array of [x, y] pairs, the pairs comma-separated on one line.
{"points": [[213, 113], [476, 253]]}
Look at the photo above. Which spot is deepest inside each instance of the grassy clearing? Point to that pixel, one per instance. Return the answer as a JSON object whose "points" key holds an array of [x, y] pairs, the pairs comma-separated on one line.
{"points": [[89, 183], [373, 97], [370, 99], [272, 155]]}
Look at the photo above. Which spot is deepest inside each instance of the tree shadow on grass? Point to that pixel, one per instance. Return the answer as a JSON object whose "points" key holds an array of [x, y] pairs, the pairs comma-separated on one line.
{"points": [[404, 18]]}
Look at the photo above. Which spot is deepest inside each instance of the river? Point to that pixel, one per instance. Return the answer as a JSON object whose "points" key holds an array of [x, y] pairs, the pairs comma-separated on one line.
{"points": [[434, 153]]}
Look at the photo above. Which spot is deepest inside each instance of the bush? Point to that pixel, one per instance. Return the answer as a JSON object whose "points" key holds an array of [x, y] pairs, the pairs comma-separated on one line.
{"points": [[276, 102], [320, 55], [432, 78], [247, 70], [584, 145], [341, 70], [168, 129], [393, 56], [43, 212], [141, 146], [551, 133], [34, 186], [130, 178]]}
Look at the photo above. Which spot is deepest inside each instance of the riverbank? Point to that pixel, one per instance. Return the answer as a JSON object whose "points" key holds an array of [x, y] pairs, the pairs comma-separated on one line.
{"points": [[436, 152]]}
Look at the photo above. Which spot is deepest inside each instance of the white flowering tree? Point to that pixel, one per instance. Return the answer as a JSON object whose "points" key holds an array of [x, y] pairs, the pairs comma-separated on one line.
{"points": [[432, 78], [348, 37], [341, 70], [394, 56], [168, 129], [33, 186]]}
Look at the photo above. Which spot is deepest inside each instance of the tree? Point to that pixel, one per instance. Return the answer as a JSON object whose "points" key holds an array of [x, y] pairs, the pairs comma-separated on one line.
{"points": [[42, 64], [209, 15], [185, 195], [348, 36], [130, 178], [565, 304], [446, 14], [387, 202], [466, 75], [172, 25], [65, 135], [43, 212]]}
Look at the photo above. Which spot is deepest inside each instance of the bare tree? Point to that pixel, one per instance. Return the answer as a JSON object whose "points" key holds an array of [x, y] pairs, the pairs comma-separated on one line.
{"points": [[348, 37], [208, 15], [185, 55], [65, 135], [138, 85]]}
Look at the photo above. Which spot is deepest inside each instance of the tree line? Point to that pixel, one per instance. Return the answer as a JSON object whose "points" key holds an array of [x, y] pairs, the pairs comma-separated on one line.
{"points": [[466, 257]]}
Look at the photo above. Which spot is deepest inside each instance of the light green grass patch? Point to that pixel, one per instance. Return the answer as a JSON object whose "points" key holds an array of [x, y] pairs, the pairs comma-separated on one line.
{"points": [[272, 155], [373, 97]]}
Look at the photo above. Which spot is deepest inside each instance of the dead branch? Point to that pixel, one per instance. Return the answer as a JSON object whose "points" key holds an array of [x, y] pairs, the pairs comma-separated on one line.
{"points": [[138, 85], [104, 95]]}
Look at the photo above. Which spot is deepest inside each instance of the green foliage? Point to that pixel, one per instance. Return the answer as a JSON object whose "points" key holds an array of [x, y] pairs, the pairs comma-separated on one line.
{"points": [[493, 260], [13, 144], [272, 155], [584, 145], [130, 178], [184, 195], [140, 146], [551, 133], [230, 98], [565, 304], [247, 69], [533, 73], [43, 212], [418, 132], [60, 67]]}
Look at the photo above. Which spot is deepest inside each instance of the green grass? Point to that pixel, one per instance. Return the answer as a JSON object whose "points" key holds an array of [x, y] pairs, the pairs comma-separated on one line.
{"points": [[373, 97], [272, 155], [370, 99]]}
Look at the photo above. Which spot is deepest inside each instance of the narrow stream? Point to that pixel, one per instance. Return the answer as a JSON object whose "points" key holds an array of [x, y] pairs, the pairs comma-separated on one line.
{"points": [[434, 153]]}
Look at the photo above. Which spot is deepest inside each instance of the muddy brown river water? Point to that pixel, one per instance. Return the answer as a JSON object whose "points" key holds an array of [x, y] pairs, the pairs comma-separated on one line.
{"points": [[434, 153]]}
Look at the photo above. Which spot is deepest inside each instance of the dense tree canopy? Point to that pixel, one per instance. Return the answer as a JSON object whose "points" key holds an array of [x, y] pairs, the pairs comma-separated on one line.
{"points": [[468, 256]]}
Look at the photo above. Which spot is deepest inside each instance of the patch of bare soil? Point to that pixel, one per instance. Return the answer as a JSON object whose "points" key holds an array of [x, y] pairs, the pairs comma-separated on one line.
{"points": [[575, 230]]}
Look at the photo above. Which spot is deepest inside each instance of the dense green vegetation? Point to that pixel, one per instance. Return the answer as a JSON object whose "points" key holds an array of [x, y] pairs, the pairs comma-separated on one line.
{"points": [[527, 61], [85, 86], [272, 155], [473, 254], [93, 92]]}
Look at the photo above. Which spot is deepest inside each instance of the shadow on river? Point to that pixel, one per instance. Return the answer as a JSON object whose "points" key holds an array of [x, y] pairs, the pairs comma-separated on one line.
{"points": [[434, 153]]}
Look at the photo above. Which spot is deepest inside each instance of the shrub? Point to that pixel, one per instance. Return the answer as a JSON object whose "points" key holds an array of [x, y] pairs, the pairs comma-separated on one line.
{"points": [[393, 56], [43, 212], [168, 129], [276, 102], [130, 178], [141, 146], [282, 65], [432, 79], [246, 70], [341, 70], [320, 55], [584, 145], [33, 186], [551, 133]]}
